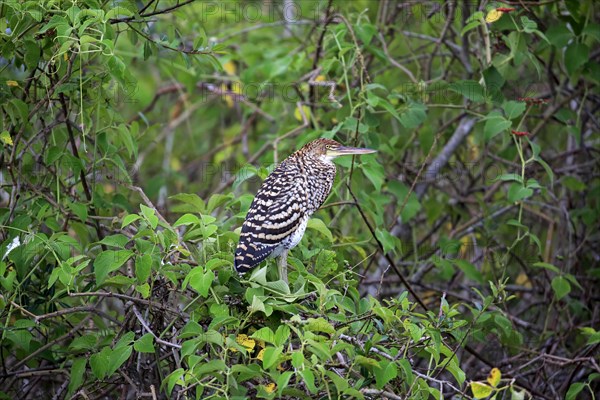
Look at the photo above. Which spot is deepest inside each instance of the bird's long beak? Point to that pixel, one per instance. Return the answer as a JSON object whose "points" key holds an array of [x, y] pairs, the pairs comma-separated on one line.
{"points": [[343, 151]]}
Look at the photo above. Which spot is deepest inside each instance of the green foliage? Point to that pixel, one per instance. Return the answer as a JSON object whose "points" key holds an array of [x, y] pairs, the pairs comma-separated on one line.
{"points": [[134, 133]]}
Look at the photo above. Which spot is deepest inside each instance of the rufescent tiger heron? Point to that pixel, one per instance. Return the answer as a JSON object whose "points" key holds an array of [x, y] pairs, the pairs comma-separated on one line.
{"points": [[288, 197]]}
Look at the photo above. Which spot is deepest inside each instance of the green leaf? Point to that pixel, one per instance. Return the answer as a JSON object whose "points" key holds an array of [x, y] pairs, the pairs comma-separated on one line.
{"points": [[494, 81], [375, 173], [309, 380], [326, 263], [271, 356], [143, 266], [149, 214], [513, 109], [85, 342], [561, 287], [5, 138], [547, 266], [516, 394], [283, 381], [129, 219], [297, 359], [516, 192], [574, 390], [79, 209], [145, 344], [117, 358], [99, 362], [282, 334], [495, 124], [385, 372], [173, 378], [117, 240], [143, 289], [319, 226], [576, 55], [187, 219], [481, 390], [387, 240], [77, 372], [470, 89], [257, 305], [201, 281], [559, 35], [469, 270], [509, 178], [192, 203], [319, 325], [109, 261], [573, 184], [265, 334], [413, 115]]}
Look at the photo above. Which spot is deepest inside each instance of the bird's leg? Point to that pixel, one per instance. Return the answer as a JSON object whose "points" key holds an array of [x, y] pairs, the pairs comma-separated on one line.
{"points": [[282, 265]]}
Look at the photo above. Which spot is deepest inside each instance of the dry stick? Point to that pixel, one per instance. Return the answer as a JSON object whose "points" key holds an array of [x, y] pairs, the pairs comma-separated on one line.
{"points": [[147, 328], [381, 393], [385, 254], [150, 14], [147, 6], [18, 307], [327, 21], [394, 62], [35, 372], [464, 128], [128, 298], [439, 41], [65, 311]]}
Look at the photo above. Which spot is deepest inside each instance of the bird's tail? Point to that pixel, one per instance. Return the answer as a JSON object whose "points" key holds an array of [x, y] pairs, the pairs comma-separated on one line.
{"points": [[249, 254]]}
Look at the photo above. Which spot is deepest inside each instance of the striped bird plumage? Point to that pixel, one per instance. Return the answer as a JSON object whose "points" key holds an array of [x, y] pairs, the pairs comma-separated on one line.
{"points": [[285, 201]]}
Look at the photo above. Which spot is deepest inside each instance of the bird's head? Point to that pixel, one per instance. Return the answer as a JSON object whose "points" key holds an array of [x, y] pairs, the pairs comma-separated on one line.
{"points": [[330, 149]]}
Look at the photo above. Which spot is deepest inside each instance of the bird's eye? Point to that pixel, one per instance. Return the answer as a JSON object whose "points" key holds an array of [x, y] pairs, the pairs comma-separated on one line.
{"points": [[327, 146]]}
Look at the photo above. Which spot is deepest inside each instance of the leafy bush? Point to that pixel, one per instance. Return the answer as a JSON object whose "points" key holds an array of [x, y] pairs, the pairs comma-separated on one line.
{"points": [[460, 261]]}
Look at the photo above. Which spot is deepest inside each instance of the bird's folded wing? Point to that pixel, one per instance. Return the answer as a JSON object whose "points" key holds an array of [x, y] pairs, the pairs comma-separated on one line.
{"points": [[275, 214]]}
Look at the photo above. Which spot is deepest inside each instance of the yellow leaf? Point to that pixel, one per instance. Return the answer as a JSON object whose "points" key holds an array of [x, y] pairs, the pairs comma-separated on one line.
{"points": [[494, 377], [493, 16], [270, 388], [298, 116], [226, 95], [175, 164], [5, 138], [12, 83], [473, 148], [244, 341], [66, 57], [481, 390], [230, 68], [108, 188], [320, 78], [465, 247], [523, 280], [261, 355]]}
